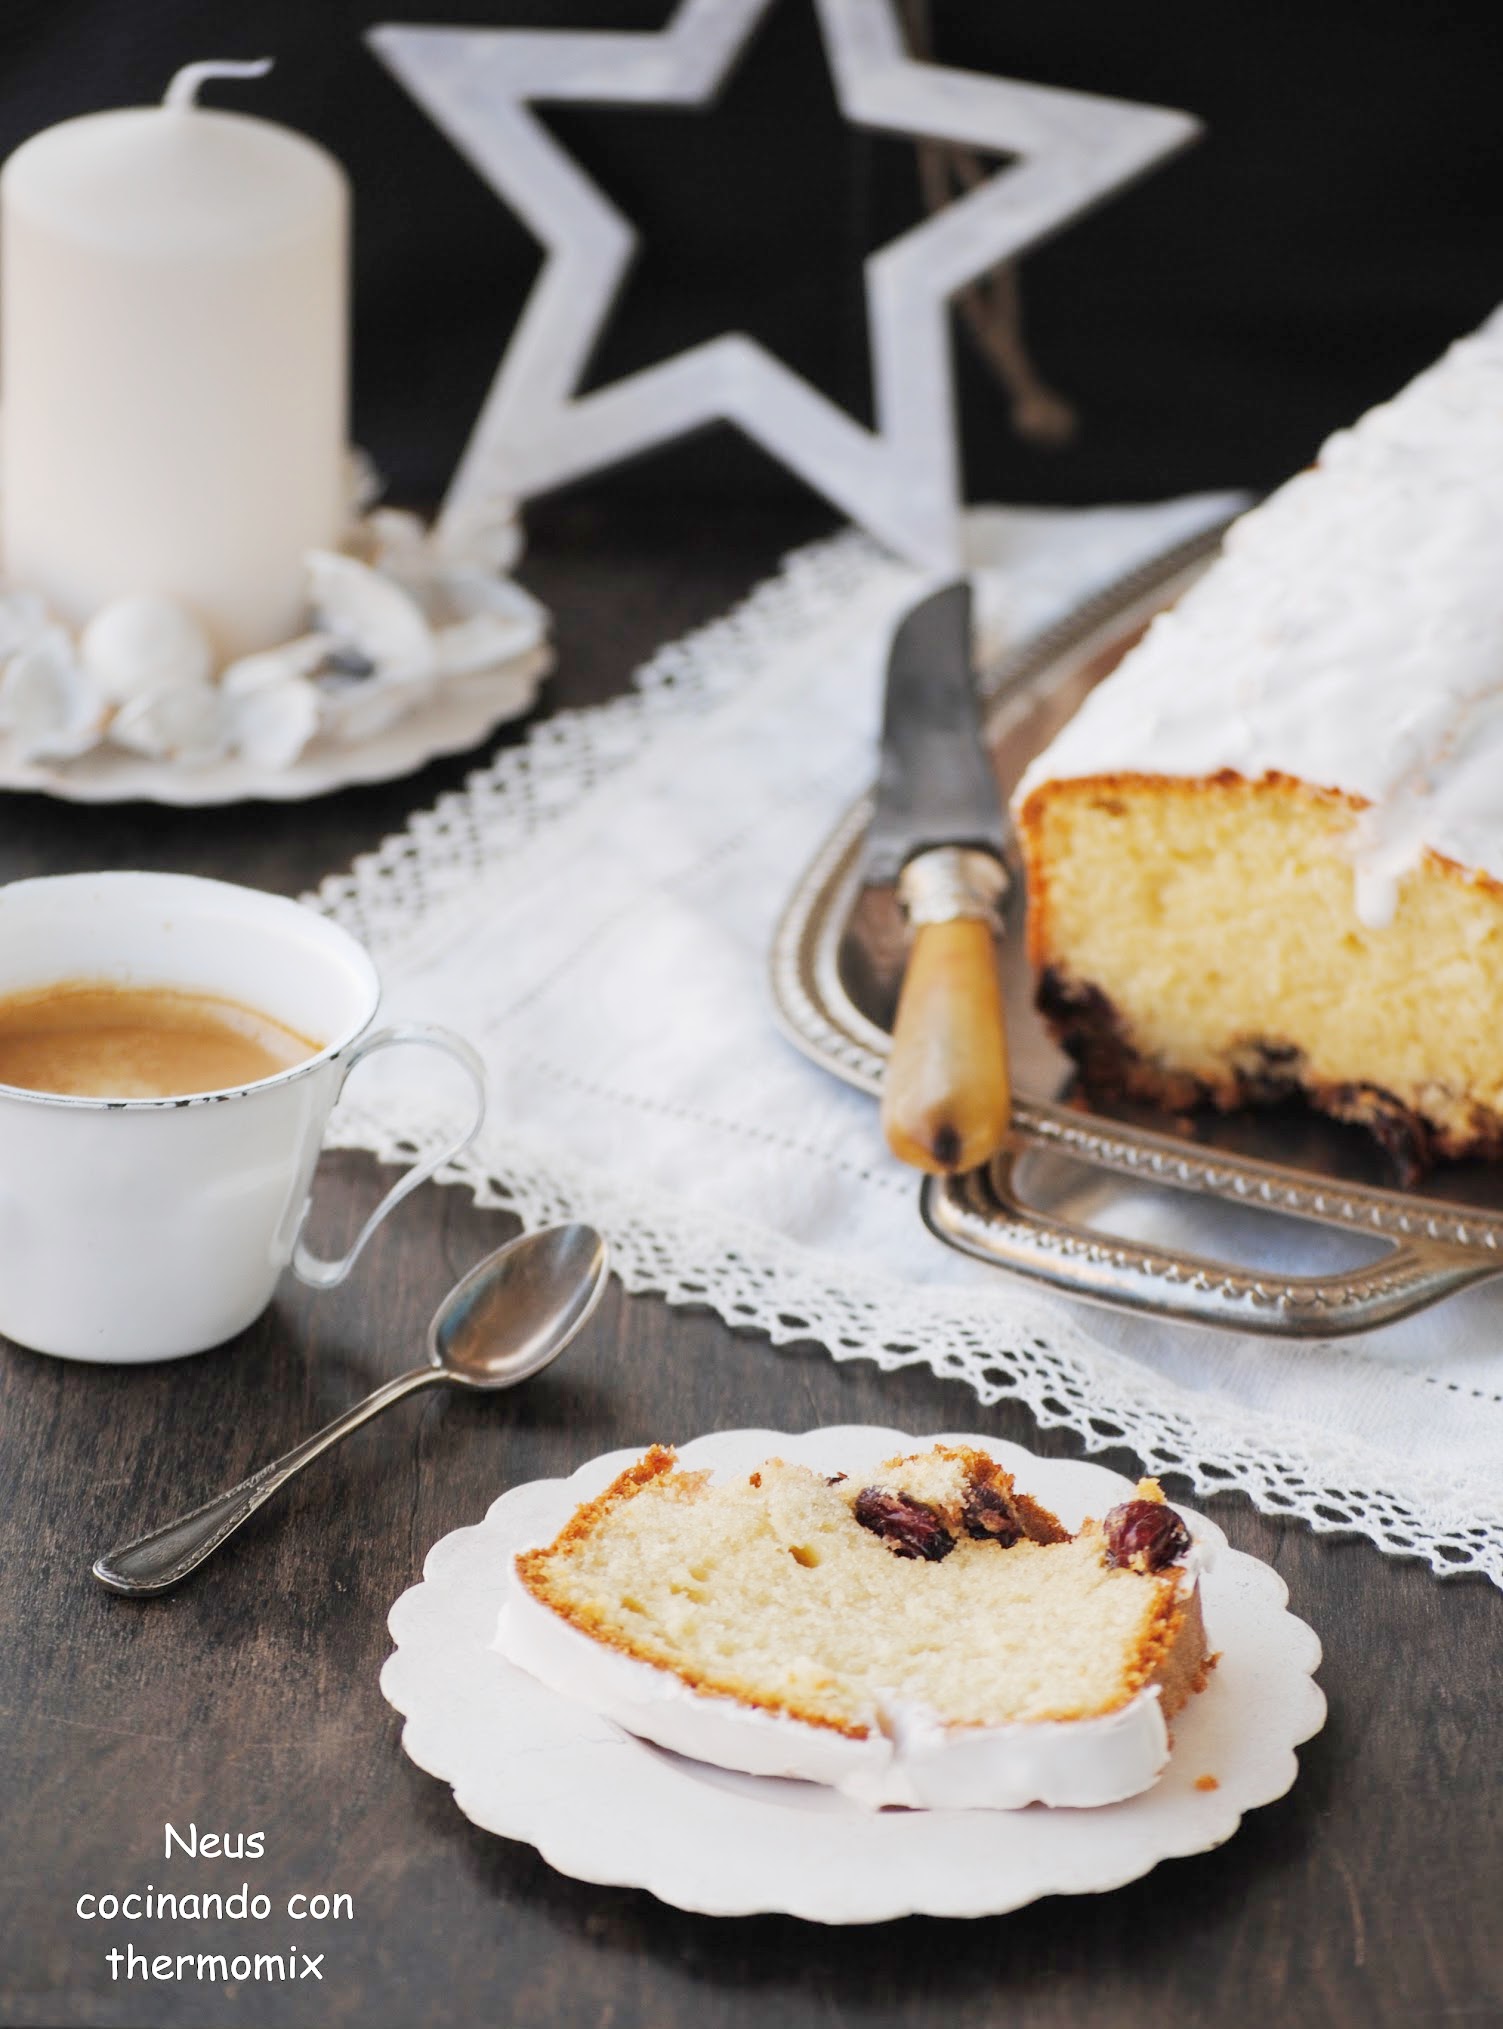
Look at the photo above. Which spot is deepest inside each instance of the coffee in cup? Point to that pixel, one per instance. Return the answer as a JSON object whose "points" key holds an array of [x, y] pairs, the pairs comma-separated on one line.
{"points": [[98, 1040]]}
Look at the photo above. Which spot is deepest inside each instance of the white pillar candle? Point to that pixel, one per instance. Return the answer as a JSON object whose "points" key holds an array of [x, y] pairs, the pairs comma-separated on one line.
{"points": [[173, 363]]}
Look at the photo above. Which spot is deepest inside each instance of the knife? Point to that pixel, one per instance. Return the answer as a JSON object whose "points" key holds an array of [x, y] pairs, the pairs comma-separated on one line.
{"points": [[937, 832]]}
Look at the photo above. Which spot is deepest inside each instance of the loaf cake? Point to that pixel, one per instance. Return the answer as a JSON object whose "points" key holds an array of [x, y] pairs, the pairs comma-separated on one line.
{"points": [[1265, 859], [921, 1633]]}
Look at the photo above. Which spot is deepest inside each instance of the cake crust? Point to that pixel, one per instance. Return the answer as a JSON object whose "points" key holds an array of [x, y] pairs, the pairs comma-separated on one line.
{"points": [[1169, 1654]]}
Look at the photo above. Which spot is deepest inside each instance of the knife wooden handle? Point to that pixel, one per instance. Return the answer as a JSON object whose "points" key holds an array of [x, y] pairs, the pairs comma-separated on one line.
{"points": [[946, 1097]]}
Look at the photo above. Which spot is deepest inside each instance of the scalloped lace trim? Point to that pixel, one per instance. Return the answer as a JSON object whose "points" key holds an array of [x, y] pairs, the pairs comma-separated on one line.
{"points": [[1034, 1351]]}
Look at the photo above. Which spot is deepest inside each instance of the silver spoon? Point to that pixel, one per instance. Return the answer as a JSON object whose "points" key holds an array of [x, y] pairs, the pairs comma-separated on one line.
{"points": [[506, 1320]]}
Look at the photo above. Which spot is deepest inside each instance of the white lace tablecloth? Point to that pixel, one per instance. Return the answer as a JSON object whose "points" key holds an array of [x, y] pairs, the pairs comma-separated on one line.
{"points": [[595, 910]]}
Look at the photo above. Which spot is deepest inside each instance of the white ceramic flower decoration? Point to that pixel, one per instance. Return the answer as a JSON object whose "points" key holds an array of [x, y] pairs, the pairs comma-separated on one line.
{"points": [[393, 618], [380, 649], [271, 704], [49, 705], [181, 722]]}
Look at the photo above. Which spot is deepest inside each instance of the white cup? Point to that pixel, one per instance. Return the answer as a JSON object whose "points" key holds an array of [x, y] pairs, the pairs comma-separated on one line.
{"points": [[143, 1229]]}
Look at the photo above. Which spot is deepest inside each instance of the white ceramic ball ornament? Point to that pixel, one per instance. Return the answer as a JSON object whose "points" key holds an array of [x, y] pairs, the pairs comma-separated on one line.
{"points": [[139, 646]]}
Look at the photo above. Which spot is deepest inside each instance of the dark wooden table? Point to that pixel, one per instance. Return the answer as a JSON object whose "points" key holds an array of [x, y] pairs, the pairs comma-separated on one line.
{"points": [[1371, 1895]]}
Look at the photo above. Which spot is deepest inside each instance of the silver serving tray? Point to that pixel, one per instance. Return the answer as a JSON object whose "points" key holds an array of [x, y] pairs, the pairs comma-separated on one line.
{"points": [[1293, 1191]]}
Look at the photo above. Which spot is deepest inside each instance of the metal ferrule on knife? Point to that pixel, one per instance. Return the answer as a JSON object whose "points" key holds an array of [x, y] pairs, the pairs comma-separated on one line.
{"points": [[953, 883]]}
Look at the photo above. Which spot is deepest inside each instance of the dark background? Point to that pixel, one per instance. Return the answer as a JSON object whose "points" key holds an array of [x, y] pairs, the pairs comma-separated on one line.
{"points": [[1338, 225]]}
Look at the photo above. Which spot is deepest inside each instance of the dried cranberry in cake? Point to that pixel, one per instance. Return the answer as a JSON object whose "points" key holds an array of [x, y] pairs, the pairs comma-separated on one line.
{"points": [[822, 1619], [987, 1514], [909, 1528], [969, 1494], [1146, 1534]]}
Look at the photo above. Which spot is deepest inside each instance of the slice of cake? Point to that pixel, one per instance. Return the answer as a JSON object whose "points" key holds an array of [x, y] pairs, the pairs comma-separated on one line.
{"points": [[919, 1634], [1266, 857]]}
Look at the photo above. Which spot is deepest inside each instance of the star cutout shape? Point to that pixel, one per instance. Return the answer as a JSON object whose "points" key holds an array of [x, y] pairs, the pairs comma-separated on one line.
{"points": [[899, 480]]}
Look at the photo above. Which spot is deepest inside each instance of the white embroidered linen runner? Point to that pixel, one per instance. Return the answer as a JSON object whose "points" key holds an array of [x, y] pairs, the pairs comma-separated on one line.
{"points": [[595, 909]]}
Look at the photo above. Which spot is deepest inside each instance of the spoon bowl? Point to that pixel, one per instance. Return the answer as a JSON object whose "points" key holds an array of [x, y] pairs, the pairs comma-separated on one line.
{"points": [[516, 1310]]}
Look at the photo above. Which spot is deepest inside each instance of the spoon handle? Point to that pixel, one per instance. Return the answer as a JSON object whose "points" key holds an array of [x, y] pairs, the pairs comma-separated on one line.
{"points": [[157, 1561]]}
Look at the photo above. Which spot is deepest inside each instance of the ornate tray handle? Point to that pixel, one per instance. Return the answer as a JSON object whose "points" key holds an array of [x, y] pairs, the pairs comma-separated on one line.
{"points": [[985, 1215]]}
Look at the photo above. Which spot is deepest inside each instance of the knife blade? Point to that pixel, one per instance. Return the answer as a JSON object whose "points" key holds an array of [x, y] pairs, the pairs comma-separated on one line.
{"points": [[937, 831], [935, 784]]}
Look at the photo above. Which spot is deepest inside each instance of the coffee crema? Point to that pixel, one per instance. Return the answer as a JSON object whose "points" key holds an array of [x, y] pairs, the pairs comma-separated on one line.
{"points": [[90, 1039]]}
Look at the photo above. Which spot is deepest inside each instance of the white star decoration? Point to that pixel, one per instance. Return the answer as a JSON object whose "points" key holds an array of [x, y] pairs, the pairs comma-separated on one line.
{"points": [[900, 480]]}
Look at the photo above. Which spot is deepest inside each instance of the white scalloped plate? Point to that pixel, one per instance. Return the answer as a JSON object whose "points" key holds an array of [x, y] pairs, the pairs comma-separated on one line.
{"points": [[456, 718], [602, 1806]]}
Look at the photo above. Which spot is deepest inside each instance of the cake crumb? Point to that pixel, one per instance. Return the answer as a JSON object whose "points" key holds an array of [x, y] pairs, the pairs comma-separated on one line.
{"points": [[693, 1576], [1206, 1782]]}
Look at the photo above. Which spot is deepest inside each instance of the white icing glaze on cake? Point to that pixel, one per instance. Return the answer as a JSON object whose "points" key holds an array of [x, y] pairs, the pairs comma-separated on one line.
{"points": [[912, 1758], [1350, 635]]}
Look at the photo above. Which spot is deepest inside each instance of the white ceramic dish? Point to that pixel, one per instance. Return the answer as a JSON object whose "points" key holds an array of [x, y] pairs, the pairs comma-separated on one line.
{"points": [[600, 1805], [457, 717]]}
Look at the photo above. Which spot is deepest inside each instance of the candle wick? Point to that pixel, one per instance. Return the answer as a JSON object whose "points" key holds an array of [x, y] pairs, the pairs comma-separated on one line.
{"points": [[183, 90]]}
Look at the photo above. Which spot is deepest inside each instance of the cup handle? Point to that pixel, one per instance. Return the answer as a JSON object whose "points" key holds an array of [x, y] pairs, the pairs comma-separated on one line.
{"points": [[312, 1268]]}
